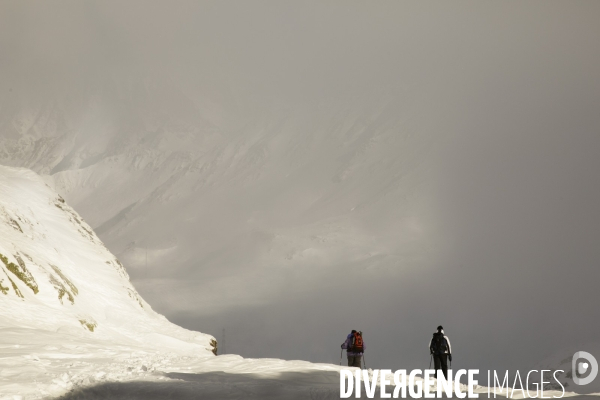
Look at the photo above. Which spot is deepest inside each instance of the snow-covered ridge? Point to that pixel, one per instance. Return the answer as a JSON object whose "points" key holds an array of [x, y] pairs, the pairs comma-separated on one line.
{"points": [[60, 283]]}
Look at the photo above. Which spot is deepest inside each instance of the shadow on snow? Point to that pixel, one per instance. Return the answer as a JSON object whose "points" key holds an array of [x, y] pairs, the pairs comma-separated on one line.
{"points": [[317, 385]]}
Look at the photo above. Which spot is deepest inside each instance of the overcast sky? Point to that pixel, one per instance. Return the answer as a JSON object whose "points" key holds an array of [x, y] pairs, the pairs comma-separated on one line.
{"points": [[510, 93]]}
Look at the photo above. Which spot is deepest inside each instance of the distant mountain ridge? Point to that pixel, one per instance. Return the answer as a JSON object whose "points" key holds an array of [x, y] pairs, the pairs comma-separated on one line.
{"points": [[163, 180]]}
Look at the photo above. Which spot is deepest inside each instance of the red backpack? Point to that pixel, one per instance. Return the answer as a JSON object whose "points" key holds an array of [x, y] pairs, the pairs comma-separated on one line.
{"points": [[357, 343]]}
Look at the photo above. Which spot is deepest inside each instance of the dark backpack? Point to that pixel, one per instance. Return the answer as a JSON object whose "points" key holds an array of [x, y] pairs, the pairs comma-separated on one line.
{"points": [[356, 345], [439, 345]]}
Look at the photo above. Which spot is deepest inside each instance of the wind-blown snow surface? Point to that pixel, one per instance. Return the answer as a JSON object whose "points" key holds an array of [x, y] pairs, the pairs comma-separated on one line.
{"points": [[67, 300]]}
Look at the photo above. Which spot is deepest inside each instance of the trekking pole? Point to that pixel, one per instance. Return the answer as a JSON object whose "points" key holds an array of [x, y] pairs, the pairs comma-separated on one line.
{"points": [[341, 352], [364, 361], [430, 359]]}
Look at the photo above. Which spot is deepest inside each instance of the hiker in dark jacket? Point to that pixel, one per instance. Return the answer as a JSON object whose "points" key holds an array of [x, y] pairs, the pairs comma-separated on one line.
{"points": [[355, 347], [439, 347]]}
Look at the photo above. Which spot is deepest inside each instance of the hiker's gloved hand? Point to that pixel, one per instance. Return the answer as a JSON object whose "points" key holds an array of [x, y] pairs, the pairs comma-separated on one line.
{"points": [[450, 357]]}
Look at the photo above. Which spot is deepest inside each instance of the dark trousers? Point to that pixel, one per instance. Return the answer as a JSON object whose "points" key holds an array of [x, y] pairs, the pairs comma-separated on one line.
{"points": [[441, 362], [354, 361]]}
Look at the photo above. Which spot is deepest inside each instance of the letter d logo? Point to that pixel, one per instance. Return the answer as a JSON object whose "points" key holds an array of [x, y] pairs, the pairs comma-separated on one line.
{"points": [[583, 367]]}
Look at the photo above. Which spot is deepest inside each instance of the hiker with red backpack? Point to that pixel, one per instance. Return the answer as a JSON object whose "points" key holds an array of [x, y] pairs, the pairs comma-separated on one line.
{"points": [[355, 347], [440, 350]]}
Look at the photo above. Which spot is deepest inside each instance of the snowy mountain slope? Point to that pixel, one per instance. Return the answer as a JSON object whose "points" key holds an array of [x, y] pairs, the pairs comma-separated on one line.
{"points": [[61, 285]]}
